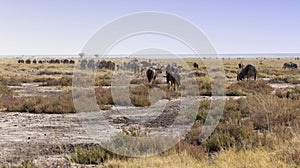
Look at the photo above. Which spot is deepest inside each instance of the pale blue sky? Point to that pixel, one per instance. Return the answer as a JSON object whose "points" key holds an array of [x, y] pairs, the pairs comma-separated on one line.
{"points": [[233, 26]]}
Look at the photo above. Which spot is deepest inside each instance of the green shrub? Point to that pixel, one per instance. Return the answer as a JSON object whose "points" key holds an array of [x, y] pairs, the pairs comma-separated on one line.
{"points": [[94, 155]]}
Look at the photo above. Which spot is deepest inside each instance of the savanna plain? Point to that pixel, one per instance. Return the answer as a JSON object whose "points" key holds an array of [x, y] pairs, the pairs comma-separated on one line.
{"points": [[259, 127]]}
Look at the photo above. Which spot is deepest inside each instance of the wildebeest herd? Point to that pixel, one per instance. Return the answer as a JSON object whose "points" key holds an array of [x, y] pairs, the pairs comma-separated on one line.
{"points": [[93, 65], [250, 70], [43, 61], [150, 69]]}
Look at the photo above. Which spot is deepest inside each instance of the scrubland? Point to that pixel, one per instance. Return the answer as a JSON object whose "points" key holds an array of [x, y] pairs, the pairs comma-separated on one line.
{"points": [[259, 126]]}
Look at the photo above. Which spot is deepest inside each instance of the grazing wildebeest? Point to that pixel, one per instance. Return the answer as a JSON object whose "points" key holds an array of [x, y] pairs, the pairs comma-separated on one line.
{"points": [[241, 66], [173, 77], [151, 75], [20, 61], [34, 61], [196, 66], [57, 61], [65, 61], [72, 62], [40, 62], [290, 65], [247, 72], [83, 64], [28, 61], [110, 65], [91, 64]]}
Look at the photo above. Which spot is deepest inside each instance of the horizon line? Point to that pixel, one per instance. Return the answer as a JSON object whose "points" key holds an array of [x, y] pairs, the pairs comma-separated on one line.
{"points": [[117, 54]]}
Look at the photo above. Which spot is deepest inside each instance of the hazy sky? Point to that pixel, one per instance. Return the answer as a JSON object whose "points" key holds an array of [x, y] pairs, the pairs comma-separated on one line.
{"points": [[64, 26]]}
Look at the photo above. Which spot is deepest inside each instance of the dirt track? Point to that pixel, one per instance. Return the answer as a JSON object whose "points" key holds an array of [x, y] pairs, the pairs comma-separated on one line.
{"points": [[49, 137]]}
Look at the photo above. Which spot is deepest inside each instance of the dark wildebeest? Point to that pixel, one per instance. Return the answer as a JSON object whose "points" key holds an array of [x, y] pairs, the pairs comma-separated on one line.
{"points": [[289, 65], [247, 72], [20, 61], [241, 66], [110, 65], [65, 61], [173, 77], [72, 62], [28, 61], [57, 61], [196, 66], [152, 73], [34, 61]]}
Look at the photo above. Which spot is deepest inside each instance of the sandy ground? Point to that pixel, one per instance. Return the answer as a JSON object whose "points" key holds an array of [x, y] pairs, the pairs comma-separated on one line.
{"points": [[49, 138], [27, 136]]}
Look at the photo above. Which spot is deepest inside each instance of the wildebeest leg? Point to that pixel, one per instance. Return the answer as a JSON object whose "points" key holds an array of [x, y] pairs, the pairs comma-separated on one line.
{"points": [[152, 81], [176, 87]]}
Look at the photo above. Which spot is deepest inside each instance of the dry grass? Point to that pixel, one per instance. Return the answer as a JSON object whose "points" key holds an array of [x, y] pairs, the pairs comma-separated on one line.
{"points": [[254, 158], [259, 131], [38, 104]]}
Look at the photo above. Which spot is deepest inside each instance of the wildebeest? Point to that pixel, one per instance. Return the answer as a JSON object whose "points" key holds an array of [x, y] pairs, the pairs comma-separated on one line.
{"points": [[152, 73], [28, 61], [290, 65], [65, 61], [105, 65], [20, 61], [83, 64], [247, 72], [241, 66], [91, 65], [196, 66], [173, 77]]}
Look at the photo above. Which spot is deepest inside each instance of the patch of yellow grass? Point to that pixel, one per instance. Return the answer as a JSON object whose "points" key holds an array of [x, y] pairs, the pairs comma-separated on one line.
{"points": [[170, 161], [256, 158]]}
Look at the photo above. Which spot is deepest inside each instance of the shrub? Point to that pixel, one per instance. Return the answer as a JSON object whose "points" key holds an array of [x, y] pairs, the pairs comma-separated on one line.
{"points": [[249, 123], [252, 87], [104, 96], [6, 96], [269, 111], [291, 93], [93, 155], [63, 81], [39, 104]]}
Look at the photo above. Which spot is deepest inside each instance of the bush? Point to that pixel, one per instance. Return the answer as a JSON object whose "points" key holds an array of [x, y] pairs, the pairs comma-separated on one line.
{"points": [[39, 104], [268, 111], [291, 93], [104, 96], [64, 81], [258, 121], [252, 87], [93, 155], [6, 96]]}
